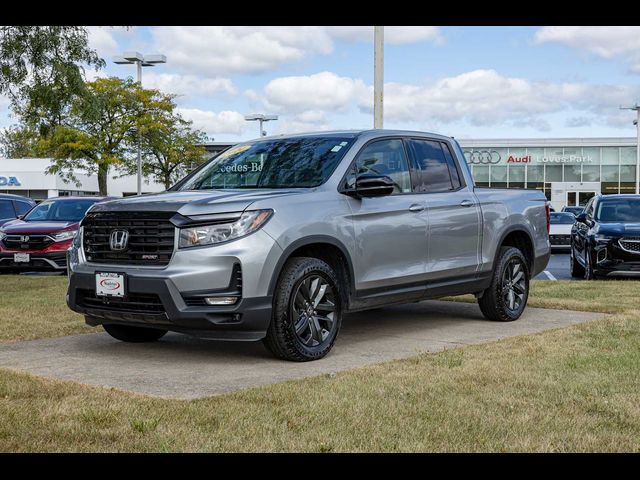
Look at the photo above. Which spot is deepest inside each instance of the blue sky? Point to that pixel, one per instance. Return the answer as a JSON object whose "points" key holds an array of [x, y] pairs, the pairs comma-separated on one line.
{"points": [[469, 82]]}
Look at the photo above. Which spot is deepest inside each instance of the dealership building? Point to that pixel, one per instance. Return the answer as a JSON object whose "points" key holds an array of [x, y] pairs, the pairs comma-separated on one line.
{"points": [[568, 170]]}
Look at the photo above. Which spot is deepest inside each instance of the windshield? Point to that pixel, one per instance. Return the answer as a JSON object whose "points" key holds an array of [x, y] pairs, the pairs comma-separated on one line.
{"points": [[574, 210], [277, 163], [562, 219], [59, 211], [619, 210]]}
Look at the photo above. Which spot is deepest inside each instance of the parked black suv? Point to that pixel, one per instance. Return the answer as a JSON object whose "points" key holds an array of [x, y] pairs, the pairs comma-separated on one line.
{"points": [[605, 240]]}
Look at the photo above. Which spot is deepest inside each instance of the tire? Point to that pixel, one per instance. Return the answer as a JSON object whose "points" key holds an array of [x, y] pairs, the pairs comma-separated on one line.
{"points": [[126, 333], [588, 268], [496, 303], [298, 331], [577, 270]]}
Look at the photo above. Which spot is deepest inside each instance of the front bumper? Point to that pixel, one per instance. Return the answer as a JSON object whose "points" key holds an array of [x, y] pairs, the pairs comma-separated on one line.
{"points": [[157, 303], [609, 260], [38, 261]]}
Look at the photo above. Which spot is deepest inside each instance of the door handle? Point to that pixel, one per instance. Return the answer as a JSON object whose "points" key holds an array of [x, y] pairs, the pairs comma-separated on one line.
{"points": [[466, 203], [416, 208]]}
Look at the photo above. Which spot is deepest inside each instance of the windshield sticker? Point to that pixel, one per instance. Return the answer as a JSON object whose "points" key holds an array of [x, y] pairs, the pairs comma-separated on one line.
{"points": [[337, 148]]}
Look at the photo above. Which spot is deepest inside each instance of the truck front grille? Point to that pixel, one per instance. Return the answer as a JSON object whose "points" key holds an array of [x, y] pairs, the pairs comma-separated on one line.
{"points": [[630, 244], [151, 238]]}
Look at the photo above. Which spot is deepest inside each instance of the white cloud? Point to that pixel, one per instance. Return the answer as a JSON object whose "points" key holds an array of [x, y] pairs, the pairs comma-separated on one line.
{"points": [[392, 34], [605, 42], [221, 50], [188, 85], [102, 40], [212, 123], [324, 91], [226, 50], [479, 97], [484, 97]]}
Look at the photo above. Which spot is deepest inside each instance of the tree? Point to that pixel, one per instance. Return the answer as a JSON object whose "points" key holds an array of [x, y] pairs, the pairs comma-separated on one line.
{"points": [[170, 146], [20, 142], [41, 70], [95, 136]]}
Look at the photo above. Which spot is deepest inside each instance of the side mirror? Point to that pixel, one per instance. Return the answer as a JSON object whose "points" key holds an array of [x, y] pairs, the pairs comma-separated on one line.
{"points": [[368, 185], [581, 218]]}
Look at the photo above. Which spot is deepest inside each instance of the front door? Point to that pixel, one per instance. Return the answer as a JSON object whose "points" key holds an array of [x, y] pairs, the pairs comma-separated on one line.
{"points": [[391, 231]]}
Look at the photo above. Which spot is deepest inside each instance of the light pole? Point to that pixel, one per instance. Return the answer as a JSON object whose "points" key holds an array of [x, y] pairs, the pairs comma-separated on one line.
{"points": [[636, 122], [261, 118], [130, 58], [378, 75]]}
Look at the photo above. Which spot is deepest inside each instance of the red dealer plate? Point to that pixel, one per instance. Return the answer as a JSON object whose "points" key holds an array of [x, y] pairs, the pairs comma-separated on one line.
{"points": [[109, 284]]}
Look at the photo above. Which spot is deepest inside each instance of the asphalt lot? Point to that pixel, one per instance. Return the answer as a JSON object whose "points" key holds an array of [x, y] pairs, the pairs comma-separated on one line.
{"points": [[558, 268], [184, 367]]}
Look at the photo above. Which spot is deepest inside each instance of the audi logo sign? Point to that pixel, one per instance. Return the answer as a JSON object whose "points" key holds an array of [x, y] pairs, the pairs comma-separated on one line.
{"points": [[482, 157]]}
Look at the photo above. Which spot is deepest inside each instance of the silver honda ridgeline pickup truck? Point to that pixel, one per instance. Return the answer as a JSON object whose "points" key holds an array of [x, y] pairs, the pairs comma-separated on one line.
{"points": [[276, 239]]}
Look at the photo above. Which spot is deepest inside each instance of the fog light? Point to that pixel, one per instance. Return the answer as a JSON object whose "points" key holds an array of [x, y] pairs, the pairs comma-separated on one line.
{"points": [[602, 255], [220, 300]]}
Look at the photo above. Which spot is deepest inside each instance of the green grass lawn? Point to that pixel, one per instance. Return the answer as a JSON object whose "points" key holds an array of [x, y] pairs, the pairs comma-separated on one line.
{"points": [[34, 307], [572, 389]]}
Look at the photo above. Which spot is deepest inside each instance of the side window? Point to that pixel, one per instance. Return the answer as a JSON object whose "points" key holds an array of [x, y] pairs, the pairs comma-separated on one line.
{"points": [[6, 209], [431, 167], [453, 169], [384, 157], [22, 207]]}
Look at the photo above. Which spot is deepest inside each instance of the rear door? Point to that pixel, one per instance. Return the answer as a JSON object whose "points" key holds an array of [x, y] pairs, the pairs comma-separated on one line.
{"points": [[452, 210]]}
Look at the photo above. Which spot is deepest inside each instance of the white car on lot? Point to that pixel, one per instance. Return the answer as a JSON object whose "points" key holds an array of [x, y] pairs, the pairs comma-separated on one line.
{"points": [[560, 229]]}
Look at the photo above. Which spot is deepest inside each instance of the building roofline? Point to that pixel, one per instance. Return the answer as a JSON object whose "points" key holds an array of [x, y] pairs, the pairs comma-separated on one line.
{"points": [[543, 142]]}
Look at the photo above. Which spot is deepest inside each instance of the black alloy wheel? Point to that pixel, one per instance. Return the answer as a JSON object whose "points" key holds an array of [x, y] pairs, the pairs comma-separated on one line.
{"points": [[313, 308], [514, 285]]}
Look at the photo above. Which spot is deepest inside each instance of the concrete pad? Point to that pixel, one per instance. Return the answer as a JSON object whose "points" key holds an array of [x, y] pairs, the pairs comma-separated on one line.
{"points": [[179, 366]]}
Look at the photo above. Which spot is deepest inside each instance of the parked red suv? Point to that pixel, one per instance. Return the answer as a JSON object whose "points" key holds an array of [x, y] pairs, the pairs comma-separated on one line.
{"points": [[39, 240]]}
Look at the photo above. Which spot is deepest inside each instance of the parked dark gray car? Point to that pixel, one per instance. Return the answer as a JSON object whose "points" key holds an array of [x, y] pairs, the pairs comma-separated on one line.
{"points": [[278, 238]]}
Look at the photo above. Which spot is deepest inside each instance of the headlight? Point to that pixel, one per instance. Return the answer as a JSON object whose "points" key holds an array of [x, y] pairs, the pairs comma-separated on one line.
{"points": [[248, 223], [603, 238], [59, 237], [2, 236]]}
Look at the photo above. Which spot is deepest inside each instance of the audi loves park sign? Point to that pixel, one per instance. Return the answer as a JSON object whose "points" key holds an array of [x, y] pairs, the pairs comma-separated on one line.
{"points": [[492, 157]]}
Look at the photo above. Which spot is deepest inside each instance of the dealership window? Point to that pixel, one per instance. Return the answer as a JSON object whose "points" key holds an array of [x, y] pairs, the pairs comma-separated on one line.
{"points": [[535, 176], [590, 173], [610, 155], [593, 153], [609, 188], [572, 173], [553, 173], [498, 176], [516, 175], [481, 174], [627, 155], [627, 173]]}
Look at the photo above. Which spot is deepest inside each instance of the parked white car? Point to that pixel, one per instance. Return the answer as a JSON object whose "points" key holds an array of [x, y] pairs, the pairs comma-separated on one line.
{"points": [[560, 229]]}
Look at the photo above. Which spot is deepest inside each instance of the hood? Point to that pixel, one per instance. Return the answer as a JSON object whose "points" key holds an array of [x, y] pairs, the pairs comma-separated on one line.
{"points": [[34, 228], [619, 229], [195, 202]]}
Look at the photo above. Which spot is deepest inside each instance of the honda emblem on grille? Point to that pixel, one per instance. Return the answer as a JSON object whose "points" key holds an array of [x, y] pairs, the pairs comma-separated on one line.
{"points": [[24, 238], [118, 240]]}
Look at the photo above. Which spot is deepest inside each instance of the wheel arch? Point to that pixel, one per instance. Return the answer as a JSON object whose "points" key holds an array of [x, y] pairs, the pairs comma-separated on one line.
{"points": [[327, 249], [520, 238]]}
